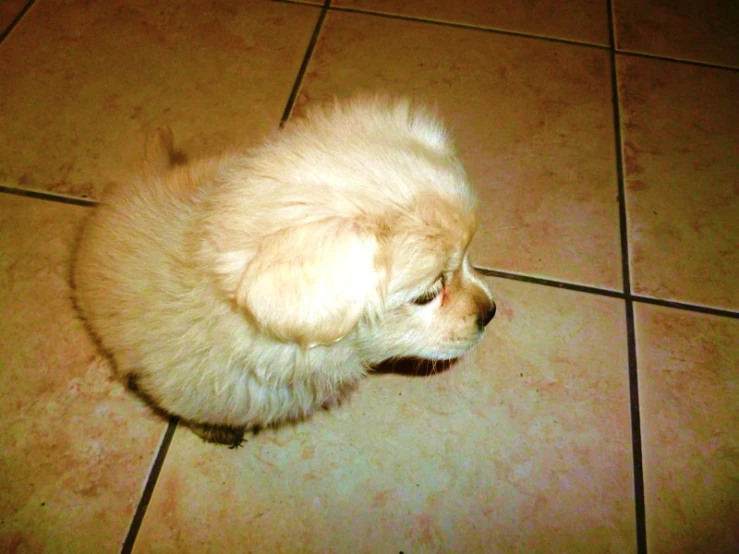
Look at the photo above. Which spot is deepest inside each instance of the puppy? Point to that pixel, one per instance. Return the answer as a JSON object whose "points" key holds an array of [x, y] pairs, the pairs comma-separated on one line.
{"points": [[256, 288]]}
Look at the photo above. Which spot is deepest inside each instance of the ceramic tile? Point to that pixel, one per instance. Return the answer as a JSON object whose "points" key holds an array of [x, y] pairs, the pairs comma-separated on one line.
{"points": [[680, 139], [699, 31], [689, 403], [524, 446], [75, 449], [533, 122], [84, 81], [579, 20], [9, 10]]}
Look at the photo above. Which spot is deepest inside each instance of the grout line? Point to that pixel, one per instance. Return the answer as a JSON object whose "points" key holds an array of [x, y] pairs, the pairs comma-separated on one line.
{"points": [[636, 435], [469, 26], [687, 307], [151, 482], [51, 196], [550, 283], [15, 21], [664, 58], [587, 289], [521, 34], [301, 3], [304, 65]]}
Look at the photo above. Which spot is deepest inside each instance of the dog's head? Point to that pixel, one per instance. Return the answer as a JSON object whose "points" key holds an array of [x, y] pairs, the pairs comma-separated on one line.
{"points": [[357, 229]]}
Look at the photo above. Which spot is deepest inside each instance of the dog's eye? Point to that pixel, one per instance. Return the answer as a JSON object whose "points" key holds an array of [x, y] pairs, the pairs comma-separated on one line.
{"points": [[425, 298], [430, 294]]}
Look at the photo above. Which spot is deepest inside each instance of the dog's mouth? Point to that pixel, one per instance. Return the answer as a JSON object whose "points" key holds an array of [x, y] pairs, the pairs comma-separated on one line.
{"points": [[453, 351], [447, 355], [414, 367]]}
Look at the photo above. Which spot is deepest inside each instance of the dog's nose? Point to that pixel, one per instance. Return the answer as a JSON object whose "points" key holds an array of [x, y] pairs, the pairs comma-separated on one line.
{"points": [[486, 317]]}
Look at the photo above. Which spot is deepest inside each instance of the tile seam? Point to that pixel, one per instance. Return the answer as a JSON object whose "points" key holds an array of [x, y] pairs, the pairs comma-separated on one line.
{"points": [[146, 494], [46, 195], [598, 291], [297, 85], [521, 34], [469, 26], [500, 274], [16, 20], [672, 59], [636, 434]]}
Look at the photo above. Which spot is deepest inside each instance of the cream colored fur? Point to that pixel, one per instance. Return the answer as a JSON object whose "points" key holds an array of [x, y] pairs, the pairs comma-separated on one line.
{"points": [[255, 288]]}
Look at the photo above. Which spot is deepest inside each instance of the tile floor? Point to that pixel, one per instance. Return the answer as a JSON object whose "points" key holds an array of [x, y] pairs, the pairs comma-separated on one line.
{"points": [[600, 414]]}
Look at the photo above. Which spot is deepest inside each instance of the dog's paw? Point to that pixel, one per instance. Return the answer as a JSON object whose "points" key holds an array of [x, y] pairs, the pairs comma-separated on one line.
{"points": [[233, 437]]}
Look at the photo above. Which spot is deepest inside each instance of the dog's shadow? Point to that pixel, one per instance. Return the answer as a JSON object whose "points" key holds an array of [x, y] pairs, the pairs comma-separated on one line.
{"points": [[413, 367]]}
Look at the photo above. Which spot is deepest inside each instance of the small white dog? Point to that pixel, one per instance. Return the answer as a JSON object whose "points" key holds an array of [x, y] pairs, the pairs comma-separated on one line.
{"points": [[256, 288]]}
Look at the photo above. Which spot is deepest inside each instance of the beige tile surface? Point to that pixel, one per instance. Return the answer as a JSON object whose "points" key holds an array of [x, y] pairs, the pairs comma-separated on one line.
{"points": [[580, 20], [83, 82], [689, 389], [680, 139], [522, 447], [706, 31], [75, 449], [533, 122]]}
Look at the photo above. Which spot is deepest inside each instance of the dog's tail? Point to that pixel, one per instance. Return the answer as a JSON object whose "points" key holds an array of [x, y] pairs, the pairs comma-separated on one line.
{"points": [[160, 154]]}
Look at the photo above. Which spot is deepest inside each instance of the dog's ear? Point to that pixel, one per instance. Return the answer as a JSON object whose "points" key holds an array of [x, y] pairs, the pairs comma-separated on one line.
{"points": [[312, 283], [159, 152]]}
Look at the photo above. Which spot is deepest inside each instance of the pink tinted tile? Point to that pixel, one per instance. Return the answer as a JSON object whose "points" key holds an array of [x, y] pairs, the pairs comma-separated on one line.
{"points": [[83, 82], [533, 122], [680, 139], [701, 31], [524, 446], [75, 449], [689, 403], [580, 20]]}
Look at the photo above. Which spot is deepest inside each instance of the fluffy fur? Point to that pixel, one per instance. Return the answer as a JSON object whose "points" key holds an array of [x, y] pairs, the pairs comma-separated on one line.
{"points": [[255, 288]]}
